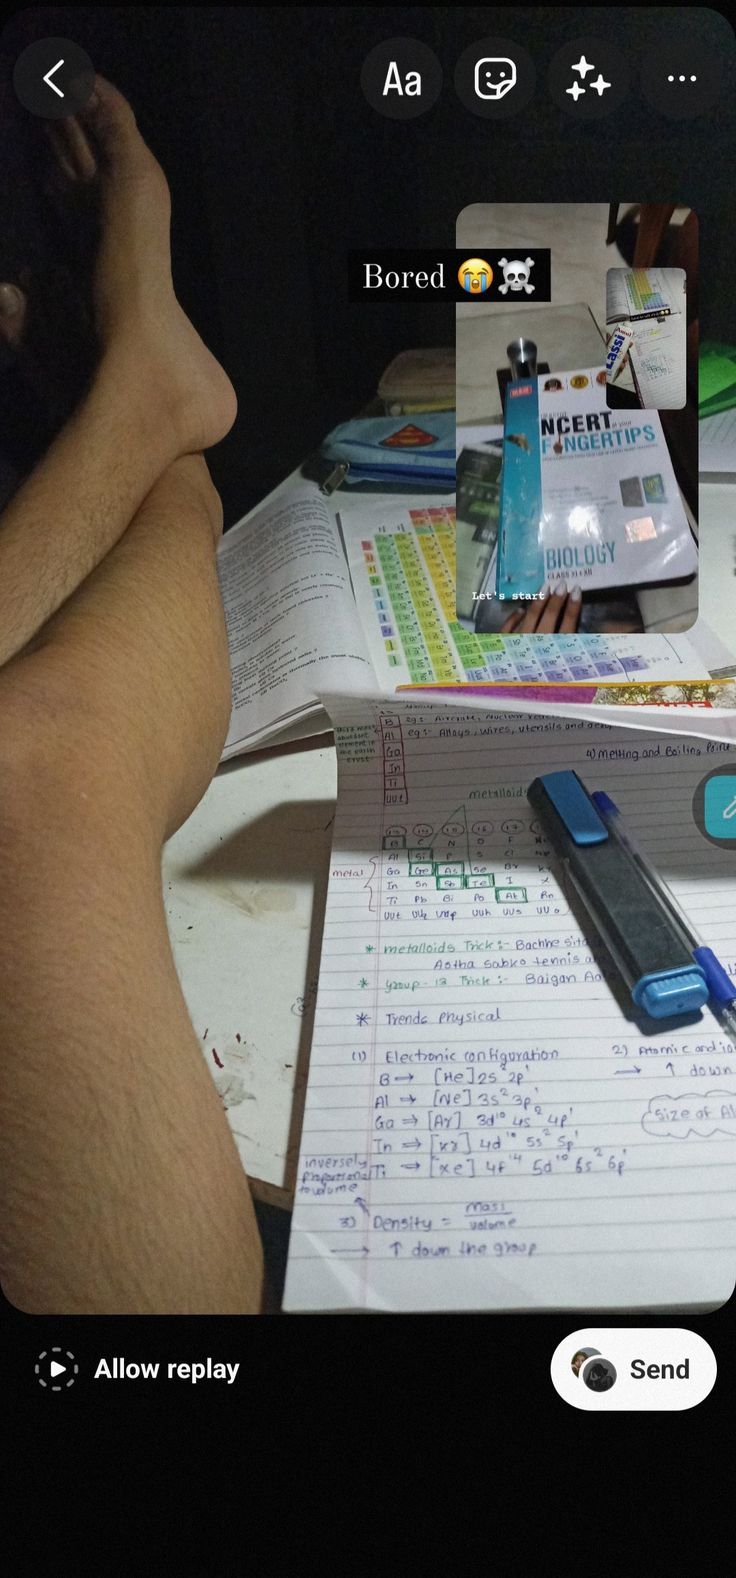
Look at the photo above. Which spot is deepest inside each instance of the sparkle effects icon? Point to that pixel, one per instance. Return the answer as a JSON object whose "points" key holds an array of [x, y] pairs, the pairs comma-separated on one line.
{"points": [[599, 85]]}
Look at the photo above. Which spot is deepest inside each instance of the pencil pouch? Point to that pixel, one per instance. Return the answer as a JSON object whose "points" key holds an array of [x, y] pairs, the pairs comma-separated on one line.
{"points": [[395, 452]]}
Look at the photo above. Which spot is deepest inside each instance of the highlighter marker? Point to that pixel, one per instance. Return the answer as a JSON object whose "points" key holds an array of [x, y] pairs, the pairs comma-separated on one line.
{"points": [[642, 935]]}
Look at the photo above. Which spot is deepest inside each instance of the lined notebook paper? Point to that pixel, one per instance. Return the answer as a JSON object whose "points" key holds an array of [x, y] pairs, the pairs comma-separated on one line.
{"points": [[487, 1125]]}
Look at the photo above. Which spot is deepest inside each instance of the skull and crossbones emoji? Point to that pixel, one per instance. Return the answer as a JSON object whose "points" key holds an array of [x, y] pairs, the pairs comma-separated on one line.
{"points": [[516, 275]]}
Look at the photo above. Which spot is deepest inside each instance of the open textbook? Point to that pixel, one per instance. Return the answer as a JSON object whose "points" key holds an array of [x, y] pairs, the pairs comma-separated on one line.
{"points": [[489, 1123], [640, 294], [318, 605]]}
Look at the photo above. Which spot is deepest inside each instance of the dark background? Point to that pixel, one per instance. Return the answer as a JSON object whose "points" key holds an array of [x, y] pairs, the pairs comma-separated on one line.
{"points": [[279, 168]]}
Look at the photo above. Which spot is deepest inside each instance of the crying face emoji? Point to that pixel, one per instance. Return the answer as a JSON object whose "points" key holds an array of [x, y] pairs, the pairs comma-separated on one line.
{"points": [[475, 276]]}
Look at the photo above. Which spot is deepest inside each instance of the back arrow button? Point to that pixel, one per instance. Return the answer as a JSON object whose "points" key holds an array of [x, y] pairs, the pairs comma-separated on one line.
{"points": [[54, 77], [49, 75]]}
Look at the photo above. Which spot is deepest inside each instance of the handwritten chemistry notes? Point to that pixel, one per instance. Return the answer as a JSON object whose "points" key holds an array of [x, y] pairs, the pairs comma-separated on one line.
{"points": [[488, 1125]]}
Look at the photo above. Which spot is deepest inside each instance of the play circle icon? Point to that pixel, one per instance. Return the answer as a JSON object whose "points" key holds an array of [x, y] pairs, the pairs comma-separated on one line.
{"points": [[56, 1369]]}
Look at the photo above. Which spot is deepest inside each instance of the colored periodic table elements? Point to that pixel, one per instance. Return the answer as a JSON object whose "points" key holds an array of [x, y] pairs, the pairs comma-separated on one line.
{"points": [[411, 573], [407, 565]]}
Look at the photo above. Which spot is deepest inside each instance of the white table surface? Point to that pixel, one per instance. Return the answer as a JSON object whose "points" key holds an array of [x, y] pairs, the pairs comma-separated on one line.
{"points": [[245, 882]]}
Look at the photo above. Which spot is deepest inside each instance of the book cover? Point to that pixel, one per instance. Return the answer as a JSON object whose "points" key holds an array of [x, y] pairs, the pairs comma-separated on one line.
{"points": [[588, 494]]}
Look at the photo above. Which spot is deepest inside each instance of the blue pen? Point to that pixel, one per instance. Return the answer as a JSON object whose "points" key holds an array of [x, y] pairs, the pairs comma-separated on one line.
{"points": [[721, 988]]}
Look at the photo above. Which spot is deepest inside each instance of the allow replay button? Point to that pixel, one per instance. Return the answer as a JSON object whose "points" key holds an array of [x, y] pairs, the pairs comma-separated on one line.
{"points": [[609, 1369]]}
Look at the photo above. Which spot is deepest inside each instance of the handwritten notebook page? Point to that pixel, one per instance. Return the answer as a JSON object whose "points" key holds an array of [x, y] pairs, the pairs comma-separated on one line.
{"points": [[660, 363], [487, 1126]]}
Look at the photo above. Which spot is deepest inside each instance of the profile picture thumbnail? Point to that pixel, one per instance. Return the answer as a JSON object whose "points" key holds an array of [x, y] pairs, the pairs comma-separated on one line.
{"points": [[579, 1358], [598, 1374]]}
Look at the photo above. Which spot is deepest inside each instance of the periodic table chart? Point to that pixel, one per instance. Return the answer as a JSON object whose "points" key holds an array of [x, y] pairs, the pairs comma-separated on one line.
{"points": [[402, 566]]}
